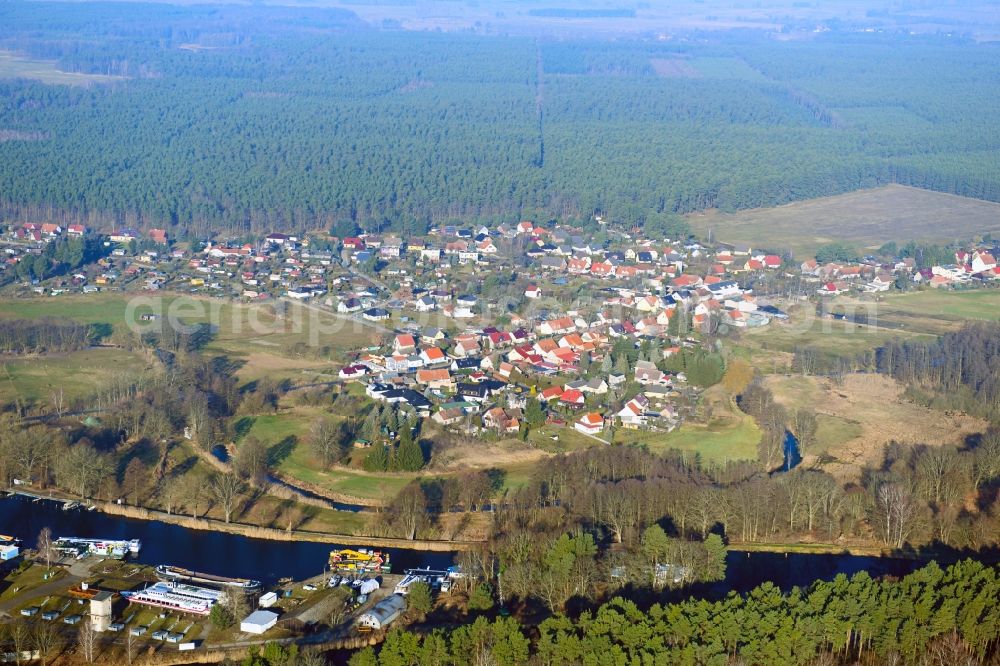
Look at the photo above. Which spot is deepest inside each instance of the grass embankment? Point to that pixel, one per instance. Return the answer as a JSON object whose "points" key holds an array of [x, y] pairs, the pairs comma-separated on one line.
{"points": [[286, 435], [257, 532]]}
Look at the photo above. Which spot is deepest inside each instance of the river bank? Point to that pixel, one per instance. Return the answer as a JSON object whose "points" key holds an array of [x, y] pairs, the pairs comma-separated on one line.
{"points": [[270, 533], [437, 545], [256, 531]]}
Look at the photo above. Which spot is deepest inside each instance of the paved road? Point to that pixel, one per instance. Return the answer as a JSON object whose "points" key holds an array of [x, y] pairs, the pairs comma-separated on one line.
{"points": [[78, 571]]}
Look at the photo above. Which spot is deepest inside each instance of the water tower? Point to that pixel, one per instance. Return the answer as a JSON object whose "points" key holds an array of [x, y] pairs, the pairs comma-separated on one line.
{"points": [[100, 610]]}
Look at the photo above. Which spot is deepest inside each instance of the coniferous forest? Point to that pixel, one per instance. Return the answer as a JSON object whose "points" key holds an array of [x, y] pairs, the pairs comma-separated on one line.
{"points": [[247, 118], [939, 616]]}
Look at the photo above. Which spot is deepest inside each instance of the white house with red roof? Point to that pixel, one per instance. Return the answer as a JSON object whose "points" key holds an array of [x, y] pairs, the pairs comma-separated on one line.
{"points": [[404, 344], [590, 423], [633, 414], [982, 261]]}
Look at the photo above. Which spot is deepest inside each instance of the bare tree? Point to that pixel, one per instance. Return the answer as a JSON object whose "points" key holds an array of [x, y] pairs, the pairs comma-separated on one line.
{"points": [[986, 466], [325, 440], [46, 639], [804, 426], [192, 490], [131, 647], [136, 476], [250, 461], [58, 401], [46, 549], [20, 638], [226, 489], [894, 514], [234, 600], [408, 511], [702, 509], [82, 469], [87, 638], [170, 492]]}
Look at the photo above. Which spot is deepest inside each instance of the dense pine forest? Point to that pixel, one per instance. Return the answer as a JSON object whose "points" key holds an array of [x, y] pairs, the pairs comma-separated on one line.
{"points": [[933, 616], [237, 117]]}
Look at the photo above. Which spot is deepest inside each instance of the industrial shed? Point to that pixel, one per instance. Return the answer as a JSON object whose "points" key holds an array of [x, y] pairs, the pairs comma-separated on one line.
{"points": [[384, 613], [258, 622]]}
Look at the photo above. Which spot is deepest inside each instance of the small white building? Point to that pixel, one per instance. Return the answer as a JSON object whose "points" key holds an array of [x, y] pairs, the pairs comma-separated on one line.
{"points": [[258, 622], [267, 600], [384, 613]]}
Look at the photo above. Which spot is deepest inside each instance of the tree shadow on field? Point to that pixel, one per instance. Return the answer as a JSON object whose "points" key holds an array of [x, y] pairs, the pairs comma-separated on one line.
{"points": [[242, 427], [278, 453]]}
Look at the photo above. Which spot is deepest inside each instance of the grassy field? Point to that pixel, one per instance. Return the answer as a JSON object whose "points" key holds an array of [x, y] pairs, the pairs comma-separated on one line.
{"points": [[13, 66], [932, 311], [568, 439], [34, 381], [345, 482], [726, 434], [867, 218], [104, 308], [300, 344], [286, 434], [716, 442], [770, 348]]}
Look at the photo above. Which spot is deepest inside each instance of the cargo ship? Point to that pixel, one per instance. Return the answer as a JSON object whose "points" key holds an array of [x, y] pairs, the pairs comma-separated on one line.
{"points": [[361, 560], [170, 573], [176, 596], [114, 548]]}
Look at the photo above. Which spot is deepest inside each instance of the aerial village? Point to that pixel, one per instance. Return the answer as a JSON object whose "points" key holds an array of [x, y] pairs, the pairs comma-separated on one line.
{"points": [[478, 320]]}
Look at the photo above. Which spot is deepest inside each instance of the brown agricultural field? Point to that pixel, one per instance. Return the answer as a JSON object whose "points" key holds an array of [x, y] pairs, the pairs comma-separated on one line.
{"points": [[862, 414], [866, 219]]}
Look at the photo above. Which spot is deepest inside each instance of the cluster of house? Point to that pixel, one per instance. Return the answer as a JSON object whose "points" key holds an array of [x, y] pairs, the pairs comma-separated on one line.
{"points": [[870, 275], [979, 264], [44, 232], [491, 373]]}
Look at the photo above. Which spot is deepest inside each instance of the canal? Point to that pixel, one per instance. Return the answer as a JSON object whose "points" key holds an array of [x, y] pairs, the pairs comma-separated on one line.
{"points": [[211, 552], [266, 560]]}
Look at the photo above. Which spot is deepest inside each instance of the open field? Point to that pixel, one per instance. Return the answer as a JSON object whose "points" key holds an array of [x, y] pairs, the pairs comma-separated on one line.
{"points": [[73, 376], [13, 66], [285, 433], [727, 434], [297, 344], [770, 348], [344, 482], [932, 311], [858, 417], [867, 218]]}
